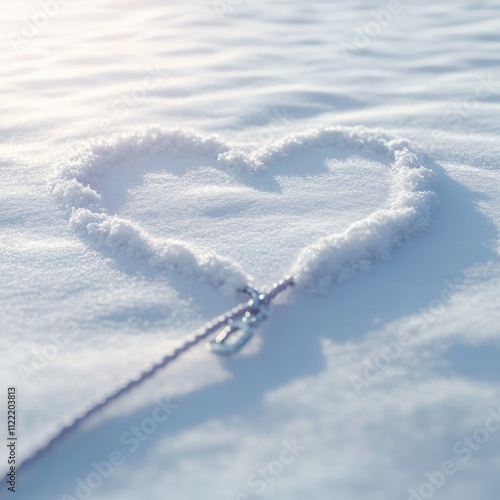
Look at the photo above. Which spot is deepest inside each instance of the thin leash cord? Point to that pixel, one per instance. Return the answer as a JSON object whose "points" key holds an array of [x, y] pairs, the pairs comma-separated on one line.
{"points": [[203, 333]]}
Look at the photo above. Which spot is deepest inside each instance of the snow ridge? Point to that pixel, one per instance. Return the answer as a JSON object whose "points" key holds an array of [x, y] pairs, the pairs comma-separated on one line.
{"points": [[330, 259]]}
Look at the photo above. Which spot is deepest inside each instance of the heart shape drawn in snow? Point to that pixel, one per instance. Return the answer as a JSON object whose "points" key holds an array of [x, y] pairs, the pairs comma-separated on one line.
{"points": [[328, 259]]}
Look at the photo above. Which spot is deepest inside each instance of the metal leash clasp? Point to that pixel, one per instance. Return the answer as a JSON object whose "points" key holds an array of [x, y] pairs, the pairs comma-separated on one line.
{"points": [[239, 331]]}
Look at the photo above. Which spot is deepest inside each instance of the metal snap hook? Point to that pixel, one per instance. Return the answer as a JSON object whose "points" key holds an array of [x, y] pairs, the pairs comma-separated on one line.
{"points": [[234, 336], [228, 341]]}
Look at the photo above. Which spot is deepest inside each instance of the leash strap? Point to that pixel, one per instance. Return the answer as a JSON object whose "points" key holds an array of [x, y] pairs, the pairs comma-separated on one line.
{"points": [[239, 323]]}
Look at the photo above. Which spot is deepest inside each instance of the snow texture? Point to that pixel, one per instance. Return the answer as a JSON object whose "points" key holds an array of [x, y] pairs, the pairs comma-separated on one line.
{"points": [[240, 142]]}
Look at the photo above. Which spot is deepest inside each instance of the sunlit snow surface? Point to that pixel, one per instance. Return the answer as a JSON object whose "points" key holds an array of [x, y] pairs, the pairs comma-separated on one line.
{"points": [[428, 313]]}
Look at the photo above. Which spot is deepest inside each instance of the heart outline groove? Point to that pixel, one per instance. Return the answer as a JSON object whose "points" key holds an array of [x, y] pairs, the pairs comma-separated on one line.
{"points": [[331, 258]]}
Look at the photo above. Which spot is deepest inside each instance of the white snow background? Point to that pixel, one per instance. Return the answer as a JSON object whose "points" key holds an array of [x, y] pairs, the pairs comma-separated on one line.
{"points": [[380, 371]]}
